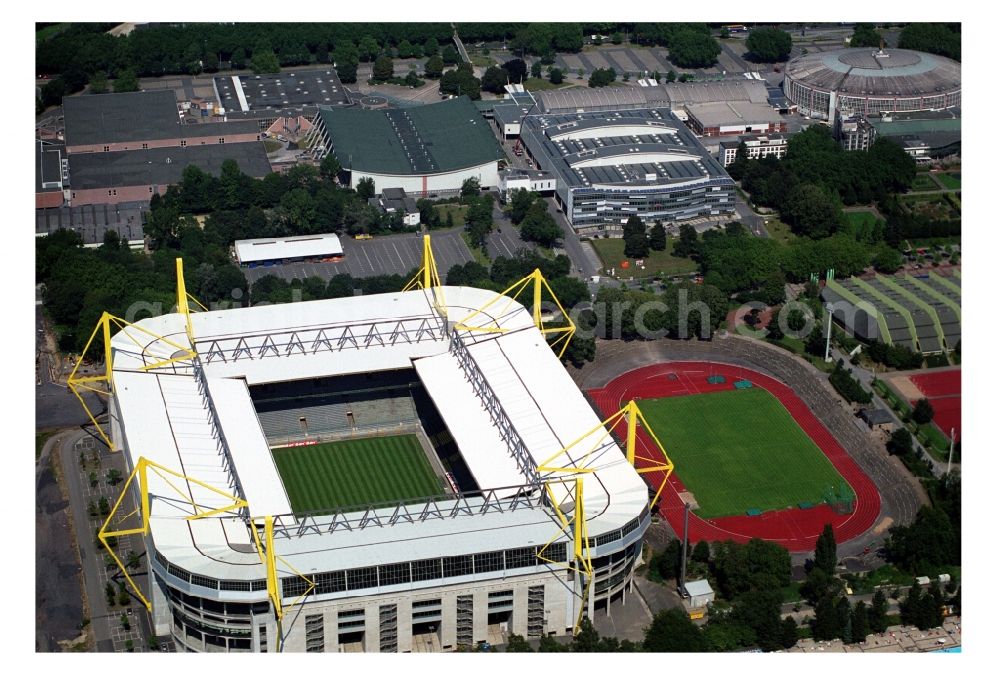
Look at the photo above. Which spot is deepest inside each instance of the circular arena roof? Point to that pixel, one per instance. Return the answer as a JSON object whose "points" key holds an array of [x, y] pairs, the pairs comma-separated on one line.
{"points": [[868, 72]]}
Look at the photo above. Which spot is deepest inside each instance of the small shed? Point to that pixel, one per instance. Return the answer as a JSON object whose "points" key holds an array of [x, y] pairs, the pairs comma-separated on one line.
{"points": [[877, 419], [699, 593]]}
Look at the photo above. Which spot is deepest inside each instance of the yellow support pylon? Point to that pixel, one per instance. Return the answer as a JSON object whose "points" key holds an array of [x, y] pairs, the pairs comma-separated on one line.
{"points": [[427, 278], [576, 531], [537, 280], [142, 467]]}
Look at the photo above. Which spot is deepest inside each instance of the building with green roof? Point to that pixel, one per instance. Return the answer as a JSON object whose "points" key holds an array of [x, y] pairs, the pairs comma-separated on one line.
{"points": [[424, 150]]}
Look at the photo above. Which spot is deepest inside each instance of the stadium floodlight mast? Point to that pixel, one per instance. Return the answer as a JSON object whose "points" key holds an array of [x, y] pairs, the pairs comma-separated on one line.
{"points": [[829, 329]]}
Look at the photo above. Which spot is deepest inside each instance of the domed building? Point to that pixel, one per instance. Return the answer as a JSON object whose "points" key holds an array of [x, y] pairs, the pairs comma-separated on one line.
{"points": [[869, 82]]}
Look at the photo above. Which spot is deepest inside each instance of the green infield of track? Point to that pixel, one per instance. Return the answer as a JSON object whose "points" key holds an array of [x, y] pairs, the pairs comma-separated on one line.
{"points": [[355, 472], [739, 450]]}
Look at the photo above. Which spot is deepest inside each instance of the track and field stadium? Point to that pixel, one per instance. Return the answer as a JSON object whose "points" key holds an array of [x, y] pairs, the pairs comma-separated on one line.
{"points": [[400, 472], [762, 469]]}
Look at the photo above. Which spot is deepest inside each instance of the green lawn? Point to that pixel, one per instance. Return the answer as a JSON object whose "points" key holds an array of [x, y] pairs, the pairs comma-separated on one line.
{"points": [[612, 253], [355, 472], [537, 84], [738, 450], [780, 232], [859, 218], [271, 145], [950, 181], [457, 212]]}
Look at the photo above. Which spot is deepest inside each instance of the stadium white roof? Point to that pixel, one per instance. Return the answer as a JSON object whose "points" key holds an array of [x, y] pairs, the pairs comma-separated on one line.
{"points": [[189, 423], [278, 248]]}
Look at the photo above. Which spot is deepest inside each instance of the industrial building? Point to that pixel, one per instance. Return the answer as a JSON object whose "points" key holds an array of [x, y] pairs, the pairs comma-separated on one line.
{"points": [[872, 82], [424, 150], [126, 147], [530, 531], [922, 313], [612, 165], [675, 96], [731, 118]]}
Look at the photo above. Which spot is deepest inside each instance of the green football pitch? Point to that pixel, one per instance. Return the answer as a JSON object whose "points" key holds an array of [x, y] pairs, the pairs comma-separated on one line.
{"points": [[355, 472], [738, 450]]}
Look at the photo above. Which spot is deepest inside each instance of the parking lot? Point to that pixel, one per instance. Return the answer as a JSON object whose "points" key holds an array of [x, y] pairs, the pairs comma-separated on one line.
{"points": [[391, 254]]}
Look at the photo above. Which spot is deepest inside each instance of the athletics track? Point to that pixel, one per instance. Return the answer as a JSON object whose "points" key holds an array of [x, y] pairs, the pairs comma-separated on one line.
{"points": [[795, 529]]}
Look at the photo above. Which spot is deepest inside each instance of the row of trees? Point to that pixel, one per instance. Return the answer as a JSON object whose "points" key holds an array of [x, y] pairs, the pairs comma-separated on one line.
{"points": [[691, 45], [513, 71], [460, 81], [531, 213], [937, 38]]}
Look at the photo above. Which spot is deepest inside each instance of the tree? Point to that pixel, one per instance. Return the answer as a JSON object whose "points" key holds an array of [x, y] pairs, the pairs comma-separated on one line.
{"points": [[431, 47], [671, 76], [93, 479], [517, 69], [517, 644], [602, 77], [114, 476], [366, 188], [687, 243], [900, 442], [724, 33], [494, 79], [769, 44], [449, 55], [886, 259], [811, 211], [761, 611], [264, 61], [434, 67], [859, 623], [556, 76], [826, 626], [878, 619], [865, 35], [757, 565], [694, 49], [382, 69], [103, 506], [673, 631], [789, 632], [126, 82], [330, 167], [539, 226], [701, 552], [923, 412], [470, 188], [816, 341], [937, 38], [520, 202], [404, 49], [586, 640], [548, 644], [98, 82], [657, 237], [536, 69], [669, 564]]}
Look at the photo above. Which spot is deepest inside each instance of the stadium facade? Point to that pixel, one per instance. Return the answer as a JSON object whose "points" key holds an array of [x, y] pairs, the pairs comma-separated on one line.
{"points": [[533, 478], [611, 165], [424, 150], [872, 82]]}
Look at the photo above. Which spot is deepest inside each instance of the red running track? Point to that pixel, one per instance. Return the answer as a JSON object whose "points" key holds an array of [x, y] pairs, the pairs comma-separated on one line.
{"points": [[795, 529]]}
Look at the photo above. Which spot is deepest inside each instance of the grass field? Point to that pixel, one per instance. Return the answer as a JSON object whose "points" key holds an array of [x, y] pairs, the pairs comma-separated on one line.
{"points": [[780, 231], [950, 181], [612, 253], [738, 450], [355, 472]]}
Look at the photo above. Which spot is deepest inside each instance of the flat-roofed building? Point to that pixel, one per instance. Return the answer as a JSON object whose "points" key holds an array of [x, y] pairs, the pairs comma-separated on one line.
{"points": [[733, 117], [758, 146], [611, 165]]}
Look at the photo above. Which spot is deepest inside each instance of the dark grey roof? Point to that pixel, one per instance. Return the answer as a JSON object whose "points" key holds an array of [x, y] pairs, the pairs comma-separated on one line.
{"points": [[91, 221], [162, 166], [120, 118], [48, 166], [203, 129], [876, 416], [281, 90]]}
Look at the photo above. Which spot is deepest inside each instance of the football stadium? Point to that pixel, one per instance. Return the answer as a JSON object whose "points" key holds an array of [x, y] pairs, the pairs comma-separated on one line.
{"points": [[411, 471]]}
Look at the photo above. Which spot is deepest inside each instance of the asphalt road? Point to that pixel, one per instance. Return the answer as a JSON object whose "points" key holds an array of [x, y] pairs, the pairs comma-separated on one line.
{"points": [[383, 255]]}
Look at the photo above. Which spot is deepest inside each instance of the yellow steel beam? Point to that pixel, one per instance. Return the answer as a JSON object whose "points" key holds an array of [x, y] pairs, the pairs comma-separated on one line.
{"points": [[142, 467], [427, 277]]}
